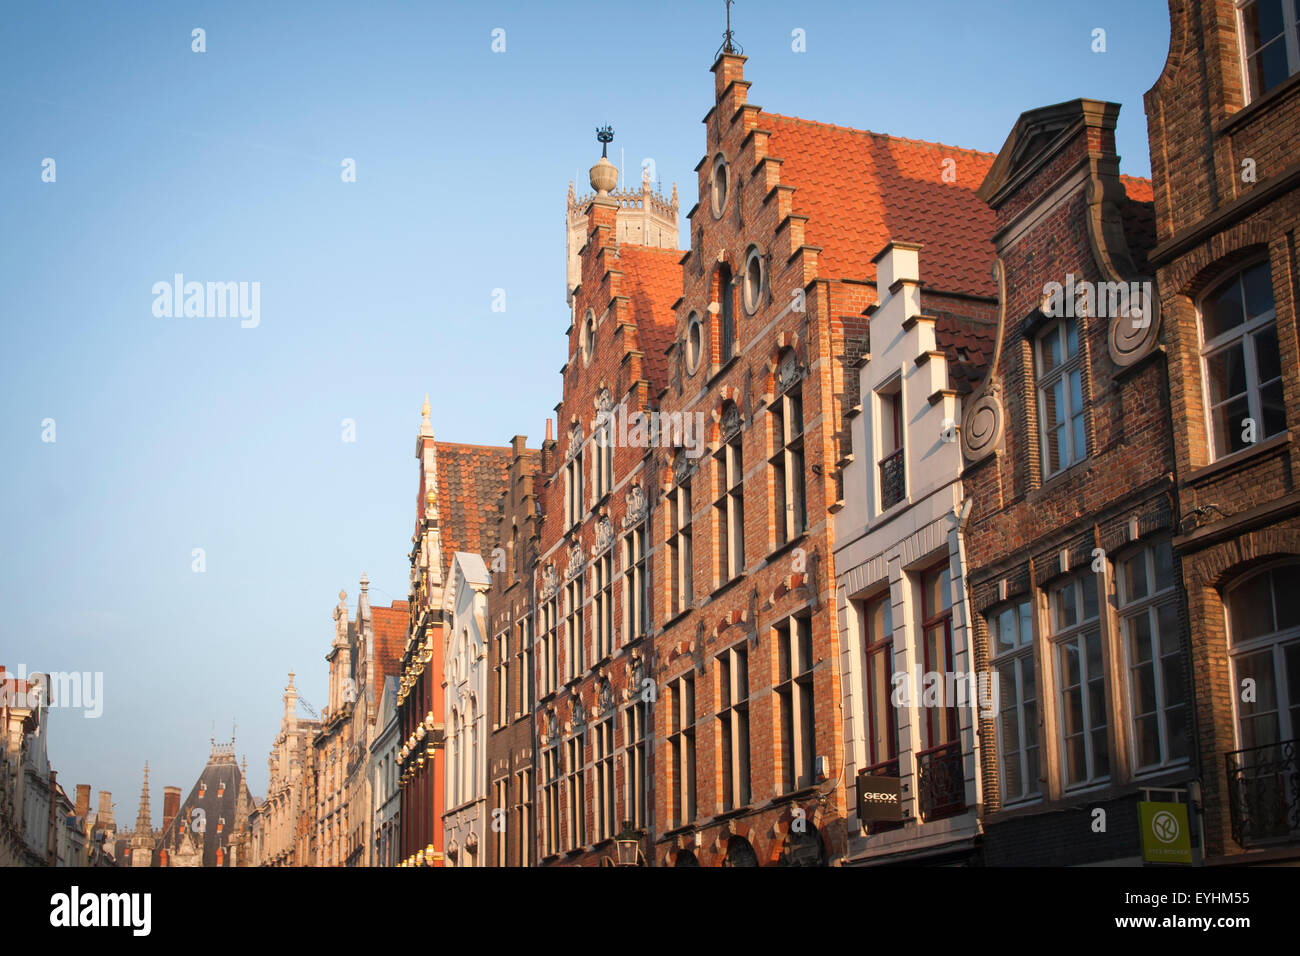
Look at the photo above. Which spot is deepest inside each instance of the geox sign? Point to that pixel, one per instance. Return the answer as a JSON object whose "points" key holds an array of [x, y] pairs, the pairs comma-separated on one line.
{"points": [[878, 798]]}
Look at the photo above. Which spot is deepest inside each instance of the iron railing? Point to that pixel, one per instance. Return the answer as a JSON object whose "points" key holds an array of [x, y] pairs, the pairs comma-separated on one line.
{"points": [[891, 479], [1264, 794], [941, 781]]}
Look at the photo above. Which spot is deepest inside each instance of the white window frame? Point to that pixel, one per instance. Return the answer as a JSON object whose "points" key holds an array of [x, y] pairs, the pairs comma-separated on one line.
{"points": [[1058, 639], [1245, 332], [1024, 655], [1046, 380], [1290, 39]]}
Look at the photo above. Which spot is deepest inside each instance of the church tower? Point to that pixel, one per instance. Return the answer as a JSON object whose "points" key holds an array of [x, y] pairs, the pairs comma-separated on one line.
{"points": [[142, 838]]}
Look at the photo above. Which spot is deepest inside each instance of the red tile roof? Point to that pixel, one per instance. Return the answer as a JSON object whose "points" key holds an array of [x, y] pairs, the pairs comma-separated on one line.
{"points": [[652, 281], [390, 639], [1138, 189], [861, 189], [968, 344], [471, 479]]}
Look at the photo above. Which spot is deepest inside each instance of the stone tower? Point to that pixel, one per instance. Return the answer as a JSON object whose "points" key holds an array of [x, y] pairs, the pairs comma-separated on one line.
{"points": [[645, 218], [142, 838]]}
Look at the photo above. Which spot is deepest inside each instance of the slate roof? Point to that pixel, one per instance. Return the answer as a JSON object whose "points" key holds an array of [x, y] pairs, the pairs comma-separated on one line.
{"points": [[219, 803], [861, 189]]}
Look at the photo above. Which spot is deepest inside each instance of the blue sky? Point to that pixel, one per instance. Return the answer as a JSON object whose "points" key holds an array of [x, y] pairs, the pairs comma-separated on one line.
{"points": [[181, 433]]}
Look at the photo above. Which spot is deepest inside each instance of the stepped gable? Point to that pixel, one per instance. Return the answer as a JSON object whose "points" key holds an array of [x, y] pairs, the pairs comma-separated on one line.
{"points": [[861, 189]]}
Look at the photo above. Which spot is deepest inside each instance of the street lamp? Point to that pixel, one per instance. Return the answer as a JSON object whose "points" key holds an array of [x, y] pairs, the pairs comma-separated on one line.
{"points": [[628, 845]]}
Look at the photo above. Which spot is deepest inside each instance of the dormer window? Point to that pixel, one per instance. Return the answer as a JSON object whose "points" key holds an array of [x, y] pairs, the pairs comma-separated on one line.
{"points": [[1270, 43], [718, 186]]}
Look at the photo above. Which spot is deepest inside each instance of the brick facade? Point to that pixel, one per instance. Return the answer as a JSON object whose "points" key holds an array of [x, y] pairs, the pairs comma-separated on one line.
{"points": [[1225, 173]]}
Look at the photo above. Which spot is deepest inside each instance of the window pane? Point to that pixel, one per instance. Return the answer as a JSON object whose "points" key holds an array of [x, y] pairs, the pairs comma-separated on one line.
{"points": [[1229, 426], [1071, 338], [1005, 637], [1259, 719], [1088, 585], [1268, 361], [1058, 403], [1226, 373], [1272, 410], [1250, 609], [1049, 350], [1135, 577], [1286, 590], [1026, 623], [1066, 609], [1222, 309]]}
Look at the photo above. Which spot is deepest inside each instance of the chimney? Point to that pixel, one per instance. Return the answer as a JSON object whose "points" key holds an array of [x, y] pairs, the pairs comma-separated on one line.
{"points": [[83, 800], [171, 804]]}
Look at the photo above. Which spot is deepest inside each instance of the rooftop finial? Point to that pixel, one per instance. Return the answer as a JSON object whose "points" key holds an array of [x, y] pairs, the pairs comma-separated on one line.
{"points": [[605, 136], [729, 44], [424, 409], [604, 175]]}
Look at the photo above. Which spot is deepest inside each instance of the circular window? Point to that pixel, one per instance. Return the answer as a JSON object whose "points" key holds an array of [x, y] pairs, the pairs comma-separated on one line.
{"points": [[753, 280], [718, 185], [694, 343], [588, 336]]}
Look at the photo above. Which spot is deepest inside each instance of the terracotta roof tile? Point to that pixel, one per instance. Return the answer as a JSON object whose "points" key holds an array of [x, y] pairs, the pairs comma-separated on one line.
{"points": [[390, 638], [470, 480], [653, 282], [861, 189]]}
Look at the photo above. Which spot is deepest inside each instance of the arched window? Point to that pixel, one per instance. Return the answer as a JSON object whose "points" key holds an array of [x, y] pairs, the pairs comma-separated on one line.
{"points": [[1240, 360], [1264, 641]]}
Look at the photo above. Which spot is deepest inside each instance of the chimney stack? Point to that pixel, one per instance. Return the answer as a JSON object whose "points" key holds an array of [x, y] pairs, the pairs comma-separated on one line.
{"points": [[104, 815], [171, 804], [83, 800]]}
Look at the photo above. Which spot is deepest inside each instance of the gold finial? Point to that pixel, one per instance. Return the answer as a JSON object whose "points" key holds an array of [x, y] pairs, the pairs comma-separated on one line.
{"points": [[430, 499]]}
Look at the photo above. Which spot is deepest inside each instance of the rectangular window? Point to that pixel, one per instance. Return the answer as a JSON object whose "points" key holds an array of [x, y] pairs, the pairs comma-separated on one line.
{"points": [[603, 467], [1060, 396], [1148, 608], [602, 604], [1270, 43], [1081, 679], [523, 816], [733, 726], [574, 785], [730, 508], [936, 645], [876, 624], [604, 760], [795, 695], [1011, 637], [680, 555], [576, 650], [681, 745], [524, 698], [1242, 364], [502, 715], [551, 801], [892, 466], [636, 585], [634, 770], [502, 788], [574, 506], [550, 646], [787, 466]]}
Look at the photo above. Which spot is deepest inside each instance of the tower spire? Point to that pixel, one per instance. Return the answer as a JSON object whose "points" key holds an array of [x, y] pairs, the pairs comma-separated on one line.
{"points": [[144, 820]]}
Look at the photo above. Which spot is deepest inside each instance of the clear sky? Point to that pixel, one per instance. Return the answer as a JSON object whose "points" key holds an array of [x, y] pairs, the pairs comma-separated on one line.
{"points": [[173, 434]]}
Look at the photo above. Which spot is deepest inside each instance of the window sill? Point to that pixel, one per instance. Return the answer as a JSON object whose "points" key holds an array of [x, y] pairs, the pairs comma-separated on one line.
{"points": [[1237, 458], [721, 369], [1255, 107], [726, 586]]}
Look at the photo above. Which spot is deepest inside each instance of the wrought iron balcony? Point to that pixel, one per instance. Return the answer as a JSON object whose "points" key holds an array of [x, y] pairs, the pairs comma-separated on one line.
{"points": [[1264, 794], [891, 479], [941, 781]]}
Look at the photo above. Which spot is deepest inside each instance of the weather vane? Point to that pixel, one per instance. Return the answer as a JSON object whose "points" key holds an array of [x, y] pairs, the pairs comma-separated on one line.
{"points": [[605, 135], [729, 44]]}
